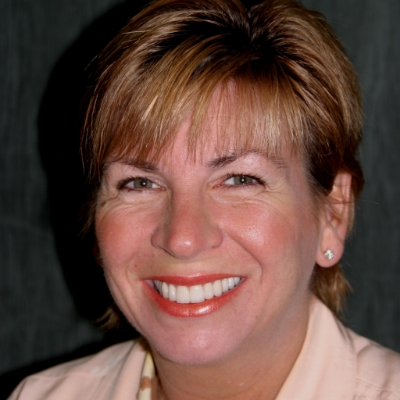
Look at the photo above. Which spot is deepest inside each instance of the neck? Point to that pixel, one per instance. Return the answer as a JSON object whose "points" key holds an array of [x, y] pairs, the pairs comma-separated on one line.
{"points": [[256, 371]]}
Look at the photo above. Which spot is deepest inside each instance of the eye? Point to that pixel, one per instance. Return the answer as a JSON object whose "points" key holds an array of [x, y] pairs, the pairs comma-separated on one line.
{"points": [[242, 180], [138, 183]]}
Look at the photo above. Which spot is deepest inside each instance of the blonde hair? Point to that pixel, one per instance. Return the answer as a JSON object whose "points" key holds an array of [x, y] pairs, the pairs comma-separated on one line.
{"points": [[277, 64]]}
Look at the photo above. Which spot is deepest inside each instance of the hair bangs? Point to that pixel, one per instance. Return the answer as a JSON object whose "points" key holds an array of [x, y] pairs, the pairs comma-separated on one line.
{"points": [[250, 111]]}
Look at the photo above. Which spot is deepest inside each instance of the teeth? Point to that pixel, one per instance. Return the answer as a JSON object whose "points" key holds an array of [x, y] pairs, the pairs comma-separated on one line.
{"points": [[208, 291], [231, 283], [182, 295], [172, 292], [196, 293], [164, 289], [217, 286]]}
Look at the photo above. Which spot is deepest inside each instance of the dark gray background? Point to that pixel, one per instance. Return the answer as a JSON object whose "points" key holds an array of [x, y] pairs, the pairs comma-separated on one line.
{"points": [[49, 288]]}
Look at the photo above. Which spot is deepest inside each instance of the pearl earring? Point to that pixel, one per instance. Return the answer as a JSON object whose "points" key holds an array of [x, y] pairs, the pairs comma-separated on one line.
{"points": [[329, 254]]}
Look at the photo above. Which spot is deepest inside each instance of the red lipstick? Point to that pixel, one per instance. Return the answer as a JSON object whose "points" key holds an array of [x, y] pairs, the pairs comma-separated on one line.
{"points": [[191, 309], [189, 280]]}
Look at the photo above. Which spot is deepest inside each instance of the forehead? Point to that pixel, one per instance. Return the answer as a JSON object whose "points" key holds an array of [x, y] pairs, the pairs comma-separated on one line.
{"points": [[218, 141], [234, 120]]}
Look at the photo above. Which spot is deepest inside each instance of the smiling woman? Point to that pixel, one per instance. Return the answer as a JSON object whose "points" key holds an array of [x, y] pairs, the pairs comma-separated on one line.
{"points": [[205, 221], [221, 143]]}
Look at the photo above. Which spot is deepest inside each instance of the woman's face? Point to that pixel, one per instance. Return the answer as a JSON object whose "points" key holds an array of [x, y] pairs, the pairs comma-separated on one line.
{"points": [[235, 234]]}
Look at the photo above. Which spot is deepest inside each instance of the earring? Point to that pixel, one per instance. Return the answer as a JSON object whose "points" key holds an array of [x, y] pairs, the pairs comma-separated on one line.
{"points": [[329, 254]]}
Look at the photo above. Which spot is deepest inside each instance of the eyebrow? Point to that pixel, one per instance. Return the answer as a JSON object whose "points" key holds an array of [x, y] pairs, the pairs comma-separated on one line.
{"points": [[215, 163], [144, 166], [226, 159]]}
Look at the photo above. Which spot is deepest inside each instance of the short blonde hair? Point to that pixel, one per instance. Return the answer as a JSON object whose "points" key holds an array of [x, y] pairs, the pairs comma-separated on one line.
{"points": [[287, 70]]}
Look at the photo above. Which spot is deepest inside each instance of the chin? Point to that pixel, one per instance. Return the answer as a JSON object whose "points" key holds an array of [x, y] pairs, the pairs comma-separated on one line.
{"points": [[200, 348]]}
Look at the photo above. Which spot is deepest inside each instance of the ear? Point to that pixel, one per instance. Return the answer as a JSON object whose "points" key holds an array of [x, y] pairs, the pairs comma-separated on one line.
{"points": [[335, 217]]}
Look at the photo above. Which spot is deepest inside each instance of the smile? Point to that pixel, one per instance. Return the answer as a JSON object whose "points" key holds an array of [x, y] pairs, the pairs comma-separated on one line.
{"points": [[196, 293]]}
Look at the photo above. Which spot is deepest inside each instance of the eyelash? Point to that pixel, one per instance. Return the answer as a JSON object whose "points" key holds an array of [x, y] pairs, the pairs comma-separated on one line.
{"points": [[234, 175], [122, 185]]}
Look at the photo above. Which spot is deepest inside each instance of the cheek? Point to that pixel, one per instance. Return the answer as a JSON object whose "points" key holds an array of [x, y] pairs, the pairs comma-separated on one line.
{"points": [[284, 237], [257, 226], [120, 235]]}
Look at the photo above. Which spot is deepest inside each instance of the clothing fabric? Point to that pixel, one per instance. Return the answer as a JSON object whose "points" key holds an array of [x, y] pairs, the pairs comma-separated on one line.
{"points": [[334, 363]]}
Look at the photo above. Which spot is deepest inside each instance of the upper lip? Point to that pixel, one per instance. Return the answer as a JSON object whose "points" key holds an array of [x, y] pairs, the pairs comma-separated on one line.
{"points": [[191, 280]]}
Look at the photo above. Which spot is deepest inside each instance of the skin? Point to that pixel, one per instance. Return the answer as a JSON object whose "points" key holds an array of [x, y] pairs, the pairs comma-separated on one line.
{"points": [[194, 219]]}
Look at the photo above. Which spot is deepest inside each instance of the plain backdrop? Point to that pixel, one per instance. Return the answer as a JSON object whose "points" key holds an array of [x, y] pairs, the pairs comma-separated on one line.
{"points": [[50, 289]]}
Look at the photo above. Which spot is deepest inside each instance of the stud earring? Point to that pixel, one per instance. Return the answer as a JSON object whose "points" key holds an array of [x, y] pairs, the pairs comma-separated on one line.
{"points": [[329, 254]]}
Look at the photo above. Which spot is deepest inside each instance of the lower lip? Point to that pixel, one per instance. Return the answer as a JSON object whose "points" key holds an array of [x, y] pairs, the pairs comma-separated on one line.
{"points": [[192, 309]]}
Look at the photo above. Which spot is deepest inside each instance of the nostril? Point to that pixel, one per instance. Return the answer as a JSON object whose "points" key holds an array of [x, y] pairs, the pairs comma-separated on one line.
{"points": [[186, 234]]}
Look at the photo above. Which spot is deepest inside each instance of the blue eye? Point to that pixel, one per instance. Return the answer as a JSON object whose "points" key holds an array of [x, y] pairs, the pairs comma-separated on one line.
{"points": [[241, 180]]}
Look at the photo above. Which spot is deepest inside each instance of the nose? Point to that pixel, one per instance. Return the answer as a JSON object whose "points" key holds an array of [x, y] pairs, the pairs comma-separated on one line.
{"points": [[187, 229]]}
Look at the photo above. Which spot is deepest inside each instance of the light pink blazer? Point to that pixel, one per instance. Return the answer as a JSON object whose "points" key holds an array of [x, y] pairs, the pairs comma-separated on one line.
{"points": [[334, 363]]}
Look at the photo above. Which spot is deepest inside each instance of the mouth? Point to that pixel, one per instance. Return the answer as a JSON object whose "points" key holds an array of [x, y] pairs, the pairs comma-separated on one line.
{"points": [[192, 297], [197, 293]]}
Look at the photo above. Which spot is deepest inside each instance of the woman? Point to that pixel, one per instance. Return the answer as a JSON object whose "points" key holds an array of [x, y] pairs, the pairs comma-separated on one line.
{"points": [[221, 143]]}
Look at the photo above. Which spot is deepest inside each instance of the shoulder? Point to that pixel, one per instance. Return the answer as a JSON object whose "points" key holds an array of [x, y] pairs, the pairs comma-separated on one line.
{"points": [[336, 363], [378, 370], [92, 377]]}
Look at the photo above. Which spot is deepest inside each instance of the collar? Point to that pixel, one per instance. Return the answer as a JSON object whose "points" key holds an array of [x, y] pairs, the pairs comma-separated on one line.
{"points": [[148, 373], [326, 366]]}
